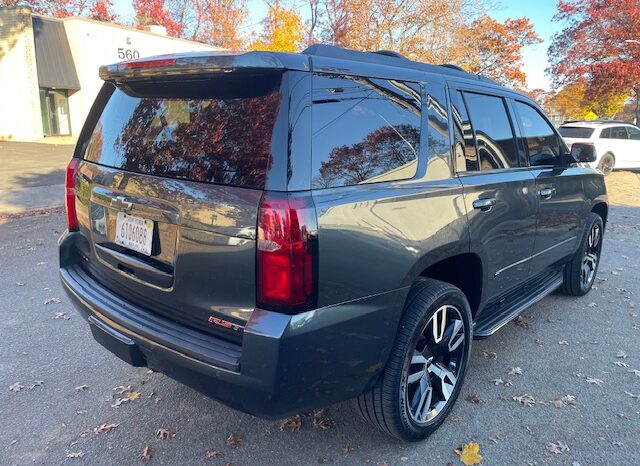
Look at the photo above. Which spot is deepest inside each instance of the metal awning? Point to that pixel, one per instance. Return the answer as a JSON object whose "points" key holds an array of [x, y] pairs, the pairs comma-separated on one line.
{"points": [[53, 55]]}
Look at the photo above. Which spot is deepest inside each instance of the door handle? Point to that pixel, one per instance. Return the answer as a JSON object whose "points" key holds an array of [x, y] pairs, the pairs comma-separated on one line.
{"points": [[484, 204], [547, 193]]}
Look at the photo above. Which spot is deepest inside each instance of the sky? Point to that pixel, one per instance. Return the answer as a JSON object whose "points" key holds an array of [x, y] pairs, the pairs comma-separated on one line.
{"points": [[535, 60]]}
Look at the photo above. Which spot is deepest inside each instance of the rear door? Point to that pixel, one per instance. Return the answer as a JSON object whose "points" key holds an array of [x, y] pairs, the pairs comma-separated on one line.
{"points": [[558, 188], [170, 187], [498, 193]]}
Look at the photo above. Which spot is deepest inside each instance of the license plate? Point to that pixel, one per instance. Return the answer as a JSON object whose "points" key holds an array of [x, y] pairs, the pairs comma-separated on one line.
{"points": [[135, 233]]}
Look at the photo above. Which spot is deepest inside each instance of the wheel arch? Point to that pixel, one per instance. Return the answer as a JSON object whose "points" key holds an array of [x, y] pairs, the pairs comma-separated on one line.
{"points": [[602, 209]]}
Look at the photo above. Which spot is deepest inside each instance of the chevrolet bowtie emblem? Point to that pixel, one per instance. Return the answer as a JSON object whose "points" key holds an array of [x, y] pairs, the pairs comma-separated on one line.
{"points": [[121, 204]]}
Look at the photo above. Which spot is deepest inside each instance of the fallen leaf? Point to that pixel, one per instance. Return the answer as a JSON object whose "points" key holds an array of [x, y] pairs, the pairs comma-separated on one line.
{"points": [[146, 454], [526, 400], [489, 354], [521, 322], [347, 449], [75, 454], [620, 364], [515, 371], [539, 342], [213, 454], [19, 284], [104, 428], [133, 395], [13, 442], [564, 401], [61, 316], [292, 423], [498, 438], [563, 342], [16, 387], [322, 423], [469, 454], [233, 441], [593, 304], [616, 443], [593, 381], [81, 388], [622, 415], [557, 448], [475, 399], [498, 381], [635, 371], [637, 397], [165, 434], [621, 354], [35, 384], [52, 301], [120, 389]]}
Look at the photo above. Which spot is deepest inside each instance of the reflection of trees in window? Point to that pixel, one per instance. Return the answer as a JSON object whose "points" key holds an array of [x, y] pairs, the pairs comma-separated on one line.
{"points": [[365, 130], [383, 150], [221, 141]]}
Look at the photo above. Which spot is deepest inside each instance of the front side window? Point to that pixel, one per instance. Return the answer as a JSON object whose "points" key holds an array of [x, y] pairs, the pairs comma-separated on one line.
{"points": [[365, 130], [634, 133], [605, 133], [494, 136], [542, 142]]}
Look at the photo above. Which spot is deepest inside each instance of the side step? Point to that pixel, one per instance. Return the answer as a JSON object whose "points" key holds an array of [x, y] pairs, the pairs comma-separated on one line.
{"points": [[501, 312]]}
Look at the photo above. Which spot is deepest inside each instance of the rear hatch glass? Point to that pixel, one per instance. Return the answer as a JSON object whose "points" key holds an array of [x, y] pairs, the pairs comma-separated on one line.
{"points": [[213, 131], [575, 132], [169, 193]]}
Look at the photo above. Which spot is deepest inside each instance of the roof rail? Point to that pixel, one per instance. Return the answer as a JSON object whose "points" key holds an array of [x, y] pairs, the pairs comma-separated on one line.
{"points": [[453, 67], [390, 53]]}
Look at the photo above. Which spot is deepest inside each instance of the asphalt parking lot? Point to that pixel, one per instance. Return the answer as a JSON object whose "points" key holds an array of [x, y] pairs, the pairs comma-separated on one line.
{"points": [[578, 360]]}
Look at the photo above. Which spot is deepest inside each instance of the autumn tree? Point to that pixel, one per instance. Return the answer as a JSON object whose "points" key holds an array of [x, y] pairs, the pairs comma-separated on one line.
{"points": [[600, 44], [283, 30], [102, 10], [57, 8], [496, 49], [154, 12]]}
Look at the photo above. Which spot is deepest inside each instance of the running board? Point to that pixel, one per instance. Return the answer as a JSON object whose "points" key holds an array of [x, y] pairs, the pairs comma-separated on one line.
{"points": [[500, 313]]}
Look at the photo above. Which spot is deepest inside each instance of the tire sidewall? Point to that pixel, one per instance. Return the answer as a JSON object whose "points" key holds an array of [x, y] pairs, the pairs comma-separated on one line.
{"points": [[610, 156], [414, 430], [595, 219]]}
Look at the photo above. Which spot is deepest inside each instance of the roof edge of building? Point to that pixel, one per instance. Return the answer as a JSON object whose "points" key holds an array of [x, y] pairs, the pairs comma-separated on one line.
{"points": [[120, 26]]}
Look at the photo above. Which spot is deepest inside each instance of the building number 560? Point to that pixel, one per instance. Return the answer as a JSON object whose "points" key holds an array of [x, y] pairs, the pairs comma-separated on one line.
{"points": [[127, 54]]}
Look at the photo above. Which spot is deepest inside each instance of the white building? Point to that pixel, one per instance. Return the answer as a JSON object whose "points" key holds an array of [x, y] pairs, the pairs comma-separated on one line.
{"points": [[49, 68]]}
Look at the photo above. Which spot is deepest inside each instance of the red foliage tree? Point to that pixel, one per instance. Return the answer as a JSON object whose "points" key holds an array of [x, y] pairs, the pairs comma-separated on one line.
{"points": [[154, 12], [601, 44], [102, 10]]}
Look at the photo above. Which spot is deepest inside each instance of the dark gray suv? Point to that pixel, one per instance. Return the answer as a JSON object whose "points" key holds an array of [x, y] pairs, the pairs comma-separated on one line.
{"points": [[285, 231]]}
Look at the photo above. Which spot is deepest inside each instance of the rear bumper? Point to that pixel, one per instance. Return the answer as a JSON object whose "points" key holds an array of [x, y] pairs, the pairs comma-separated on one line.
{"points": [[285, 364]]}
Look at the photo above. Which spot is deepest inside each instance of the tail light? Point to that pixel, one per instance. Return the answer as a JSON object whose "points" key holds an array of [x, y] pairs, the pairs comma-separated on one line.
{"points": [[287, 253], [70, 194]]}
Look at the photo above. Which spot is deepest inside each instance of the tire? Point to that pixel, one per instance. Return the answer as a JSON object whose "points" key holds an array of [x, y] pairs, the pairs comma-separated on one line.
{"points": [[607, 163], [580, 273], [393, 405]]}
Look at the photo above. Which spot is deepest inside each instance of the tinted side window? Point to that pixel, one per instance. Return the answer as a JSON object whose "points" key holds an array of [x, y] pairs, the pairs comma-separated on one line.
{"points": [[364, 130], [634, 133], [496, 146], [466, 157], [542, 142], [605, 133], [619, 132]]}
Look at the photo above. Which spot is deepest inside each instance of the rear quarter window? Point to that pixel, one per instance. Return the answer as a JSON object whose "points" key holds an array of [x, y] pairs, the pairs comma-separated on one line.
{"points": [[575, 132], [190, 131], [364, 130]]}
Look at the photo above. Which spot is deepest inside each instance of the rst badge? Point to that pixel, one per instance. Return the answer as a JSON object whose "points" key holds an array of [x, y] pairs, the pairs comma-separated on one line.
{"points": [[224, 323]]}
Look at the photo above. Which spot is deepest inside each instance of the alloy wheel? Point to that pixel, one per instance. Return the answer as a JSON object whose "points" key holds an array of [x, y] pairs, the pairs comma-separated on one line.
{"points": [[590, 260], [435, 364]]}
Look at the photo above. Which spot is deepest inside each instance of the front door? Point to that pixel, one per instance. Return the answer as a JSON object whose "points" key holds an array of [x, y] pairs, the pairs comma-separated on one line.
{"points": [[558, 189], [498, 193]]}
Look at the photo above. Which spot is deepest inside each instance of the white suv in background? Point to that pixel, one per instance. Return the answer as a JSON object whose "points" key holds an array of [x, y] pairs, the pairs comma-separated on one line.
{"points": [[617, 143]]}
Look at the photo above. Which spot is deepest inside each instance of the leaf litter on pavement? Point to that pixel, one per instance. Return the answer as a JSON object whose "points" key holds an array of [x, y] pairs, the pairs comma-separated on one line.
{"points": [[469, 454]]}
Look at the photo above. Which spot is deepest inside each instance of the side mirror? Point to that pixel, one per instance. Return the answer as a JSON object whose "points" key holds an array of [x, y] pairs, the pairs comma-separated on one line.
{"points": [[583, 152]]}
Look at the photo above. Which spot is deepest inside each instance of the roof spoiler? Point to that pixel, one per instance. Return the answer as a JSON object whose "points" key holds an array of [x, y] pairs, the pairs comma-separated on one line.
{"points": [[201, 64]]}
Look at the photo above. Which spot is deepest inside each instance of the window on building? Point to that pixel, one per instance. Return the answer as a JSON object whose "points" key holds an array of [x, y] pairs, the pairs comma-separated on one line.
{"points": [[54, 109], [493, 132], [365, 130], [542, 142]]}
